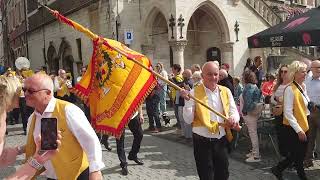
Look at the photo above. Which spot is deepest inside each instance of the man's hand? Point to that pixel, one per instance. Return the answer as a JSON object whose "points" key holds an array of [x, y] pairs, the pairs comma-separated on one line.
{"points": [[302, 136], [185, 94], [42, 157], [141, 118], [95, 175]]}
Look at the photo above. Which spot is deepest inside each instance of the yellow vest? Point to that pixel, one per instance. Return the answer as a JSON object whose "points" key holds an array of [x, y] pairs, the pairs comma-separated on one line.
{"points": [[64, 89], [173, 92], [71, 160], [202, 114], [299, 109]]}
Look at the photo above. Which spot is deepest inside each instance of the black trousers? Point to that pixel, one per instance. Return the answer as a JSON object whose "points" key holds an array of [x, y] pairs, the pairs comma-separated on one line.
{"points": [[83, 176], [211, 157], [25, 112], [136, 129], [296, 152], [152, 106]]}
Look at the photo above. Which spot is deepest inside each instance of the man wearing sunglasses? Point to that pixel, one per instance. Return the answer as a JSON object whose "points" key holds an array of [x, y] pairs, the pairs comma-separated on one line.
{"points": [[81, 156]]}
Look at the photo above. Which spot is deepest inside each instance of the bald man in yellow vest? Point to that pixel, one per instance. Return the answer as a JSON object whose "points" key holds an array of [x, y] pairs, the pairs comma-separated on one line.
{"points": [[80, 156], [210, 138]]}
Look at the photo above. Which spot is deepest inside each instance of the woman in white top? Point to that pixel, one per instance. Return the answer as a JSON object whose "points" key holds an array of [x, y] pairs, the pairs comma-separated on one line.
{"points": [[276, 100], [162, 87], [10, 88], [295, 123]]}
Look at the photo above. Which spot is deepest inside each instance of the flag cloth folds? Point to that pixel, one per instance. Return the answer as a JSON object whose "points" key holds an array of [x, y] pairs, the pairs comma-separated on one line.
{"points": [[113, 85]]}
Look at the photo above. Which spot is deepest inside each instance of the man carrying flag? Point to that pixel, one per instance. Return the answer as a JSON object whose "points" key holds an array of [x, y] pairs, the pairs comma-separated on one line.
{"points": [[210, 137]]}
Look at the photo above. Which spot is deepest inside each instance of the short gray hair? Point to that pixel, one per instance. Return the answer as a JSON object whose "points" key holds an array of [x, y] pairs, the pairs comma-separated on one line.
{"points": [[44, 81]]}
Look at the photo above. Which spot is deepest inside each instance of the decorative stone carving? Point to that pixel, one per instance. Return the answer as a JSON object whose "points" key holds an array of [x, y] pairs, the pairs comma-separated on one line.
{"points": [[178, 45]]}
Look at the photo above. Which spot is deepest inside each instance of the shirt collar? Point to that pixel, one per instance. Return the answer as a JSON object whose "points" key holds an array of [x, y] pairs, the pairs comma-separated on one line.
{"points": [[214, 91], [49, 108]]}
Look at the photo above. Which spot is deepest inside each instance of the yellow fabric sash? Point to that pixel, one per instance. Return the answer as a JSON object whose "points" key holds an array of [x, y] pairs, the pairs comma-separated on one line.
{"points": [[299, 110], [202, 114]]}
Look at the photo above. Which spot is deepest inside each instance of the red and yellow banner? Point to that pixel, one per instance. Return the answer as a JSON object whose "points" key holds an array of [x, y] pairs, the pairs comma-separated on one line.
{"points": [[113, 85]]}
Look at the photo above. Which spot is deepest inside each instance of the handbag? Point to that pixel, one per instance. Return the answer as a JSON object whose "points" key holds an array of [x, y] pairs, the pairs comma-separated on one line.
{"points": [[277, 110]]}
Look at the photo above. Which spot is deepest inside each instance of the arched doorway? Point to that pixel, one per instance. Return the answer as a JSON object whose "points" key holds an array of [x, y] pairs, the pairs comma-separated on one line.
{"points": [[156, 37], [207, 31], [53, 59], [160, 40], [65, 52]]}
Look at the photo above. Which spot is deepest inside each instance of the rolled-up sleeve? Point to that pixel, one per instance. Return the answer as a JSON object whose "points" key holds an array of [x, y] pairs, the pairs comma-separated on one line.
{"points": [[288, 109], [188, 109], [233, 111], [86, 136]]}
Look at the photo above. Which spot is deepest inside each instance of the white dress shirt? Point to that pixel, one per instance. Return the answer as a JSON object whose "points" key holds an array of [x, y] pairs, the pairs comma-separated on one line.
{"points": [[288, 107], [214, 101], [81, 129], [313, 86], [279, 93]]}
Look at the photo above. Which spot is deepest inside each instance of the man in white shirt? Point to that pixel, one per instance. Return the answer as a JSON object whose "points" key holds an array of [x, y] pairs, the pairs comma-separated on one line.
{"points": [[81, 149], [209, 135], [313, 86]]}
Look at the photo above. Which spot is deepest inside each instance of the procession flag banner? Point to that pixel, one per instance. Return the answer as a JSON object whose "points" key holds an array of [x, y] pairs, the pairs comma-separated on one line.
{"points": [[113, 86]]}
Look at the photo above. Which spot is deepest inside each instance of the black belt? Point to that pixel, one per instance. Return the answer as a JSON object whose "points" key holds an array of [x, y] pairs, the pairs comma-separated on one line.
{"points": [[202, 138]]}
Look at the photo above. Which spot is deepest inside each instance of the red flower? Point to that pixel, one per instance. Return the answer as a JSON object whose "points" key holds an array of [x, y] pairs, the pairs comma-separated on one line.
{"points": [[103, 72]]}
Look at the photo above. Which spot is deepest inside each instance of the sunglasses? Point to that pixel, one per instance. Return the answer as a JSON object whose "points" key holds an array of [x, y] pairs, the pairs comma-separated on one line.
{"points": [[283, 71], [30, 91]]}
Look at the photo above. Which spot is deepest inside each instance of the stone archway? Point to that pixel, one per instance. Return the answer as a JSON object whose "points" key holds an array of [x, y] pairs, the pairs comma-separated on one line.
{"points": [[156, 45], [204, 31], [206, 28], [53, 59]]}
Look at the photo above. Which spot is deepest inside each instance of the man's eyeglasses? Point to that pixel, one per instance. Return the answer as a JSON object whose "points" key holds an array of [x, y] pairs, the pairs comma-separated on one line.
{"points": [[316, 67], [283, 71], [30, 91]]}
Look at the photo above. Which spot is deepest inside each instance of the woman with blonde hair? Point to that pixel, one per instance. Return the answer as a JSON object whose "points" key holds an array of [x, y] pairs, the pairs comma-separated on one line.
{"points": [[10, 88], [295, 123]]}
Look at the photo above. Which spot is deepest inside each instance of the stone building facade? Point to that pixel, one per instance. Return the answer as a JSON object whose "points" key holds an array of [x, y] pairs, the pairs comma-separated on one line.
{"points": [[168, 31]]}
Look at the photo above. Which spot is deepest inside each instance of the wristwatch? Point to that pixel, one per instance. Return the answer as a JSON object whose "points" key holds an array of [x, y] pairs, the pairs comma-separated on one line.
{"points": [[34, 163]]}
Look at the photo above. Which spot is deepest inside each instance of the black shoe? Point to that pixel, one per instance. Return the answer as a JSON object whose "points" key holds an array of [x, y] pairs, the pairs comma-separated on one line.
{"points": [[124, 171], [25, 133], [136, 160], [276, 173], [106, 145]]}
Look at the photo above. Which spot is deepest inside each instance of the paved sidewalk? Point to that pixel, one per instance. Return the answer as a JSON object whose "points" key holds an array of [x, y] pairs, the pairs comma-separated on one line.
{"points": [[167, 156]]}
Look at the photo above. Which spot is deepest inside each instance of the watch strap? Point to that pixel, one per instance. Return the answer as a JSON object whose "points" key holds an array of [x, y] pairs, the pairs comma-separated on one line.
{"points": [[34, 163]]}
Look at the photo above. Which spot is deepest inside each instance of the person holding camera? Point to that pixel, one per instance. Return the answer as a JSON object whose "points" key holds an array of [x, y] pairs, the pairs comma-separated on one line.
{"points": [[80, 157], [295, 123], [9, 99], [313, 86]]}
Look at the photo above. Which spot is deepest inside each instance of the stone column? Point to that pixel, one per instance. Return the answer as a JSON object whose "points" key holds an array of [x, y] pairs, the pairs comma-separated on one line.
{"points": [[178, 51], [227, 54], [148, 50]]}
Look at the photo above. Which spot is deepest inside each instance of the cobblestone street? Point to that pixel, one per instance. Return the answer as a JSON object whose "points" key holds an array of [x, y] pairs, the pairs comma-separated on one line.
{"points": [[168, 156]]}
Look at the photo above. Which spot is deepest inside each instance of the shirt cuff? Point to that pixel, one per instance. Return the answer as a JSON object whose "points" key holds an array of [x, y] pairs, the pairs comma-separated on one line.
{"points": [[297, 129], [95, 166]]}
